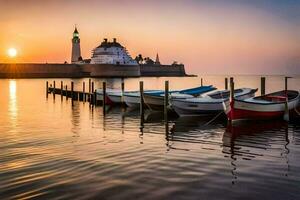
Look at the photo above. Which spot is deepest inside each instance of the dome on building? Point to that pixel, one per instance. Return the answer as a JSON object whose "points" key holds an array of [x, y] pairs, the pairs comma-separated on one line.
{"points": [[111, 53]]}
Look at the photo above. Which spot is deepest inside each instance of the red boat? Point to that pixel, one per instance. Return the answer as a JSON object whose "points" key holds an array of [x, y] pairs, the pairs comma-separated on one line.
{"points": [[275, 105]]}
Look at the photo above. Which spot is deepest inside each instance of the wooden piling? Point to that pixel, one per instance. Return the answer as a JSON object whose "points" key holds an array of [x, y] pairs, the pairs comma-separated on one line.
{"points": [[61, 89], [72, 90], [201, 81], [166, 100], [226, 83], [53, 89], [104, 97], [142, 102], [67, 92], [231, 89], [92, 90], [95, 98], [83, 92], [89, 85], [122, 89], [263, 86], [47, 89], [286, 83]]}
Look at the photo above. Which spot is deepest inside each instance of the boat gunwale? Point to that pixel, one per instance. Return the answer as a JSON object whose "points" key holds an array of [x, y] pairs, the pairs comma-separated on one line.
{"points": [[268, 102]]}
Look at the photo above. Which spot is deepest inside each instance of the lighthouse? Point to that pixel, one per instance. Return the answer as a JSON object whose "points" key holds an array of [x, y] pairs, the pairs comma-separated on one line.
{"points": [[76, 52]]}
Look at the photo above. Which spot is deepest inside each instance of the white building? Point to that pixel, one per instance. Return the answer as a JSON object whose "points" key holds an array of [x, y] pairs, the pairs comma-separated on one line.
{"points": [[111, 53]]}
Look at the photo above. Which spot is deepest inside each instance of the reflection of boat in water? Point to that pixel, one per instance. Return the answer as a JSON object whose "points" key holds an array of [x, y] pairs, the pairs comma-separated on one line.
{"points": [[196, 123], [158, 116], [249, 140]]}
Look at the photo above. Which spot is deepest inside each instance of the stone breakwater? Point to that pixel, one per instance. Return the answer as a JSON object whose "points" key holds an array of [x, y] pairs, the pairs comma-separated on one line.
{"points": [[35, 70]]}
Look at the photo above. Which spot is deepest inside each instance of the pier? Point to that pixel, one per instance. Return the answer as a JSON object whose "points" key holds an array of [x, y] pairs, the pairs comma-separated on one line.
{"points": [[75, 95], [101, 98]]}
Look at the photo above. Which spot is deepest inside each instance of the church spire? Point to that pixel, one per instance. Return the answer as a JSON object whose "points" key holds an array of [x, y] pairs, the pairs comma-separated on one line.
{"points": [[157, 60]]}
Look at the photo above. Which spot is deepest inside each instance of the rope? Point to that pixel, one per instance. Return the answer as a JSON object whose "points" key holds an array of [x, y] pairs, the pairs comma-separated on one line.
{"points": [[297, 111], [213, 118], [219, 113]]}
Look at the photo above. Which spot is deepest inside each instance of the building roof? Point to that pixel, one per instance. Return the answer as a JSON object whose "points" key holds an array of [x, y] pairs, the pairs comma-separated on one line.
{"points": [[75, 31], [107, 44]]}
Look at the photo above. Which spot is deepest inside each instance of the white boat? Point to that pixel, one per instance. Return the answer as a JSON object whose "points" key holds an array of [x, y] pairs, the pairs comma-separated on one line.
{"points": [[210, 103], [155, 101], [113, 96], [133, 99]]}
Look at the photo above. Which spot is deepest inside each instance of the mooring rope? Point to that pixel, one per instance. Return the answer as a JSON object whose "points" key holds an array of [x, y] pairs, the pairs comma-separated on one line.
{"points": [[297, 111], [213, 119]]}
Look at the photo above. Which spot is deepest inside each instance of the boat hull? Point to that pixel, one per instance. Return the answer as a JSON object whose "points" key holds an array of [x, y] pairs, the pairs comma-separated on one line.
{"points": [[99, 97], [154, 102], [243, 110], [194, 109], [207, 107], [132, 101], [116, 99]]}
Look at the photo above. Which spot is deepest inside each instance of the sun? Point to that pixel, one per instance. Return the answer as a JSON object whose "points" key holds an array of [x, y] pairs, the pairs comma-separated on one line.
{"points": [[12, 52]]}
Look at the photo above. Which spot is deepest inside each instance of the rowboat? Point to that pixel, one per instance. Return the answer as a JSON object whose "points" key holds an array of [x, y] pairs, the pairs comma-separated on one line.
{"points": [[274, 105], [99, 95], [209, 103], [133, 99], [155, 101]]}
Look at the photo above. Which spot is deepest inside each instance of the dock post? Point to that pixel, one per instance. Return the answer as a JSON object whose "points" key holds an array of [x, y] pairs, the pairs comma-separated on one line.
{"points": [[67, 92], [263, 86], [286, 83], [226, 83], [104, 97], [47, 89], [89, 85], [122, 89], [201, 81], [61, 89], [166, 99], [92, 90], [53, 89], [142, 103], [83, 92], [231, 89], [72, 90], [95, 97], [166, 104]]}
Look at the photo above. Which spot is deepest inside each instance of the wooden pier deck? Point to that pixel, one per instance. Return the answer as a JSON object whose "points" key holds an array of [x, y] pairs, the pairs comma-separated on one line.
{"points": [[74, 95]]}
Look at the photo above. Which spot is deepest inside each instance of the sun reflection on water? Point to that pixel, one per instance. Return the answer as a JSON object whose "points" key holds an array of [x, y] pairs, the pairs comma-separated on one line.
{"points": [[13, 108]]}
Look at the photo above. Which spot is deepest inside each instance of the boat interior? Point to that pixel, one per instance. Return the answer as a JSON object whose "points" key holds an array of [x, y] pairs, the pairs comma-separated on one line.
{"points": [[278, 97]]}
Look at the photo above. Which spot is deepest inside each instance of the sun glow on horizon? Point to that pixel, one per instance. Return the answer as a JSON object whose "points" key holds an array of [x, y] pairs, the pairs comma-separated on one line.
{"points": [[12, 52]]}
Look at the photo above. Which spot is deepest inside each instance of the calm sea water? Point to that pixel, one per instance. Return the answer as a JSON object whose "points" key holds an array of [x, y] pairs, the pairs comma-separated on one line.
{"points": [[51, 149]]}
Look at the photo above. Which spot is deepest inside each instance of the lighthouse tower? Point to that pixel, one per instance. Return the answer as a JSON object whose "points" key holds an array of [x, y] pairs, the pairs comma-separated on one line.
{"points": [[76, 52]]}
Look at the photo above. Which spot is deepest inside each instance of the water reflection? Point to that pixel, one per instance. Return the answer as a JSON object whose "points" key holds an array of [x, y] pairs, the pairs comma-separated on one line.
{"points": [[75, 119], [13, 106], [249, 140]]}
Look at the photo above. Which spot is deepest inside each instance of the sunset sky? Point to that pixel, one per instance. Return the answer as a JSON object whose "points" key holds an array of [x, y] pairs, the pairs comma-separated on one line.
{"points": [[208, 36]]}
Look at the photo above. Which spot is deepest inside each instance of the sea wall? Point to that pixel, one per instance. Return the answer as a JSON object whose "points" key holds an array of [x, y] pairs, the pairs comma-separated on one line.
{"points": [[162, 70], [35, 70], [106, 70], [30, 70]]}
